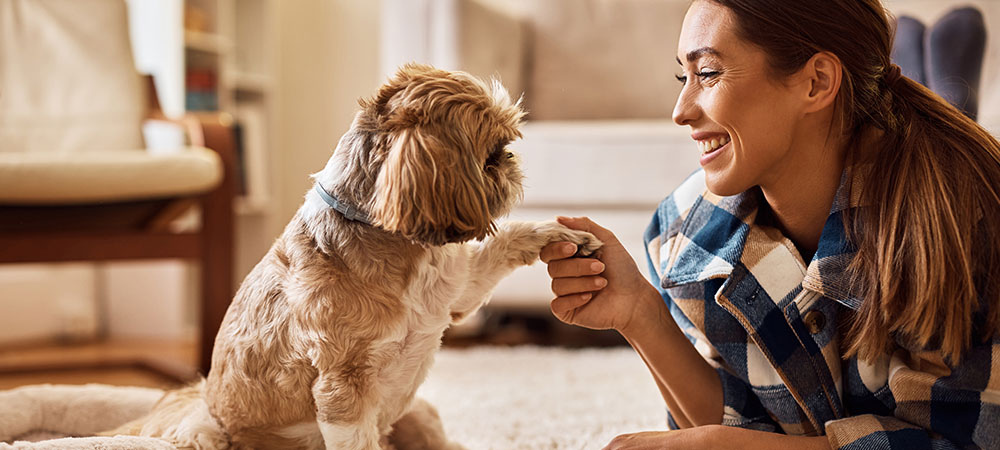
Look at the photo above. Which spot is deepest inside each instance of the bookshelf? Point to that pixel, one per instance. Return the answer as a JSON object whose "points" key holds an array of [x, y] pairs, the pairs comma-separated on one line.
{"points": [[228, 66]]}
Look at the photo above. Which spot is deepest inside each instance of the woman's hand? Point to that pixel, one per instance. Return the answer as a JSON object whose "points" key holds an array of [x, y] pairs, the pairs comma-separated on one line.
{"points": [[603, 292], [688, 438], [715, 437]]}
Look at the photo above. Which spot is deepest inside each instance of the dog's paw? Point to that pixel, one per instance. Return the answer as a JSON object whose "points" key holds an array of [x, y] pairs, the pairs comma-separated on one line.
{"points": [[522, 242], [586, 243]]}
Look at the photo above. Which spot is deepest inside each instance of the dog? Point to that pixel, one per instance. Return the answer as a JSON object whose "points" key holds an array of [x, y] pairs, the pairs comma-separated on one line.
{"points": [[330, 335]]}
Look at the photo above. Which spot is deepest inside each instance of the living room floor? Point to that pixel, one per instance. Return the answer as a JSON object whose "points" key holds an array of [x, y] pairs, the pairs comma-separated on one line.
{"points": [[94, 362], [107, 361]]}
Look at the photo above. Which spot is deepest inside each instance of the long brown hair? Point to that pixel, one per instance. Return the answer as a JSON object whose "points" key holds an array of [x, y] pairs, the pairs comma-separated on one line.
{"points": [[929, 230]]}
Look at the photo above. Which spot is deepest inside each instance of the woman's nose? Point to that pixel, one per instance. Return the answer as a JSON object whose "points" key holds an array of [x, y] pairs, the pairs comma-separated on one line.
{"points": [[685, 110]]}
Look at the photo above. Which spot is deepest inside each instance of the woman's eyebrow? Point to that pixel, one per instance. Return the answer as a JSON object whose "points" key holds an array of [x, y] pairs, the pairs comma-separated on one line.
{"points": [[693, 55]]}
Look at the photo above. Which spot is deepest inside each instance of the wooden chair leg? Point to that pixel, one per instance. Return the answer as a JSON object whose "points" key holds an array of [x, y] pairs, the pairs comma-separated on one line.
{"points": [[217, 242]]}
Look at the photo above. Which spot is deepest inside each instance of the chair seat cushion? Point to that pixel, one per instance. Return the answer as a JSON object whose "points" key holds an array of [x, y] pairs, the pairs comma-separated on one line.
{"points": [[47, 178]]}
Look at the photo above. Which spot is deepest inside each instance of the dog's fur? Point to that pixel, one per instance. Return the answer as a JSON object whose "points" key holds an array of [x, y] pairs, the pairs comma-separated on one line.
{"points": [[332, 332]]}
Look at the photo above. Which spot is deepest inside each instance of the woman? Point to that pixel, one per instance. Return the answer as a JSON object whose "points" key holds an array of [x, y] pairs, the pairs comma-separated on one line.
{"points": [[824, 281]]}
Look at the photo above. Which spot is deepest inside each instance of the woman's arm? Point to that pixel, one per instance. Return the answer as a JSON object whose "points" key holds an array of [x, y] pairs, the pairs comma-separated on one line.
{"points": [[690, 386], [614, 294], [715, 437]]}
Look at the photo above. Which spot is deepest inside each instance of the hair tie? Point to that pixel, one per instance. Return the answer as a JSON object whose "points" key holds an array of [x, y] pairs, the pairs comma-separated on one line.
{"points": [[892, 74]]}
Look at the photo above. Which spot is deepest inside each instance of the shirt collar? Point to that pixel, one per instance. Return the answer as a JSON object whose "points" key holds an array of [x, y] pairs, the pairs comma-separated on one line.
{"points": [[828, 272], [717, 230]]}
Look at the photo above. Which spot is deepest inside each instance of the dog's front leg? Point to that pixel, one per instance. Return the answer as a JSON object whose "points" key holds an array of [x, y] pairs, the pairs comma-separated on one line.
{"points": [[516, 244], [346, 411]]}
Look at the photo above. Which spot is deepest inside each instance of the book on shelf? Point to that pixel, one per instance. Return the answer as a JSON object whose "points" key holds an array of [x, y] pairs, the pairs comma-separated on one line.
{"points": [[202, 90]]}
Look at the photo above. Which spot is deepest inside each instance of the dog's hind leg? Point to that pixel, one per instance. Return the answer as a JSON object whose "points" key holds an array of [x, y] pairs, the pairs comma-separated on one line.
{"points": [[420, 429]]}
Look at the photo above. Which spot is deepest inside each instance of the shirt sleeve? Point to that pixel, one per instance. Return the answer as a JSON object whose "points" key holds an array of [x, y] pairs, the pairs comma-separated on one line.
{"points": [[938, 406]]}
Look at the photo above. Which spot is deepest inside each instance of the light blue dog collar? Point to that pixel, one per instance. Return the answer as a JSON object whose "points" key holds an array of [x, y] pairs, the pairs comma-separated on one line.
{"points": [[350, 212]]}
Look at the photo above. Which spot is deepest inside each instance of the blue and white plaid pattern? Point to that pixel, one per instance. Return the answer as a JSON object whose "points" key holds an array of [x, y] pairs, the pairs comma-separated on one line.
{"points": [[770, 325]]}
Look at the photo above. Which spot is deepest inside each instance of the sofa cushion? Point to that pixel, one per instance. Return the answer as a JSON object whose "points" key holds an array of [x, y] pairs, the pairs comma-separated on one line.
{"points": [[49, 178], [492, 41], [595, 164], [600, 59]]}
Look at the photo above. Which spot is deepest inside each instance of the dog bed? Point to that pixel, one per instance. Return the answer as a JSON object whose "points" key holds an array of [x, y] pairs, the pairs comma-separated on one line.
{"points": [[488, 398]]}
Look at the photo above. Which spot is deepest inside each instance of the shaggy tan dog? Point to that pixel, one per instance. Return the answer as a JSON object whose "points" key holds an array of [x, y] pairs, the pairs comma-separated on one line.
{"points": [[330, 335]]}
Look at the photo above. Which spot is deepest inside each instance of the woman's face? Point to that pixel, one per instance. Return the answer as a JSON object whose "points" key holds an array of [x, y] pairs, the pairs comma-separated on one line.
{"points": [[744, 121]]}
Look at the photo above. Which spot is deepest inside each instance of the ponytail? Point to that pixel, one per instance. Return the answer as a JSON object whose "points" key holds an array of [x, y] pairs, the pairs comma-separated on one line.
{"points": [[928, 232]]}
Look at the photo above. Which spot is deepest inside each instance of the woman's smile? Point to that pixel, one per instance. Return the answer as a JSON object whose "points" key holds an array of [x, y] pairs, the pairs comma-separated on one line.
{"points": [[711, 147]]}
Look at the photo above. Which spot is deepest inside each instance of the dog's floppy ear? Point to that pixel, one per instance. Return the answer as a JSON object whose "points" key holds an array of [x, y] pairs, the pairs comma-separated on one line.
{"points": [[430, 193]]}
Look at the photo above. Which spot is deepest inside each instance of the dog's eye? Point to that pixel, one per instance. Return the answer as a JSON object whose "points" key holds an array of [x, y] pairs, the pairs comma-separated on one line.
{"points": [[494, 159]]}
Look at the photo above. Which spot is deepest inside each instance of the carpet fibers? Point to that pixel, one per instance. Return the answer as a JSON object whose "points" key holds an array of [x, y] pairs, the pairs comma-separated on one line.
{"points": [[542, 398]]}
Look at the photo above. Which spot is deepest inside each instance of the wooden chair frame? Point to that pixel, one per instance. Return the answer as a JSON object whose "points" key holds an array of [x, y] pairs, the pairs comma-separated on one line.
{"points": [[211, 244]]}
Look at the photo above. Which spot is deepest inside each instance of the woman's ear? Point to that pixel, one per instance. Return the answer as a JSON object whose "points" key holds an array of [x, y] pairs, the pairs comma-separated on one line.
{"points": [[824, 73]]}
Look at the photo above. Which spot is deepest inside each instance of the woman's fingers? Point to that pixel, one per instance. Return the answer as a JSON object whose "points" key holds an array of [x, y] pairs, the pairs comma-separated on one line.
{"points": [[575, 267], [557, 251], [585, 224], [564, 307], [579, 285]]}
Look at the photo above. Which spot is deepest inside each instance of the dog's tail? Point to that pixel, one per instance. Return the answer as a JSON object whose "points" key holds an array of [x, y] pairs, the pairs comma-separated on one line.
{"points": [[180, 417]]}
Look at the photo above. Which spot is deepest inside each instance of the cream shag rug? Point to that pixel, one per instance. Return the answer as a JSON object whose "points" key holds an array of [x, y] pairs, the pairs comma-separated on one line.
{"points": [[488, 398]]}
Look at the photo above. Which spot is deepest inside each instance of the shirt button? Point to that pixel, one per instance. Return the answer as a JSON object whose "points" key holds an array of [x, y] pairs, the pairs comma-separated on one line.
{"points": [[815, 321]]}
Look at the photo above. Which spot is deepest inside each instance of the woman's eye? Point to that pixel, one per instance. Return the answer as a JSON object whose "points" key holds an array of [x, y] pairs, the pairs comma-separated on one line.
{"points": [[703, 75], [707, 74]]}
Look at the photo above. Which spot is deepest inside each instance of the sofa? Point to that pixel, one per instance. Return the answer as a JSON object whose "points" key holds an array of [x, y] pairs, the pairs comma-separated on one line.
{"points": [[597, 78]]}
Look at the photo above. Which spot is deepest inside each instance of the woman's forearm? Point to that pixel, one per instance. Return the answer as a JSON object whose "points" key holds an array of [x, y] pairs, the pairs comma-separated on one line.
{"points": [[679, 418], [689, 385]]}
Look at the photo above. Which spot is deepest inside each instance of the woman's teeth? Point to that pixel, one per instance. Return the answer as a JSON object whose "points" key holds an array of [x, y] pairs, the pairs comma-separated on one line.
{"points": [[710, 145]]}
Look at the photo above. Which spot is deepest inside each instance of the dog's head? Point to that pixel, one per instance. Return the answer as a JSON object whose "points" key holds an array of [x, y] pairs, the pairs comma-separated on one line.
{"points": [[437, 157]]}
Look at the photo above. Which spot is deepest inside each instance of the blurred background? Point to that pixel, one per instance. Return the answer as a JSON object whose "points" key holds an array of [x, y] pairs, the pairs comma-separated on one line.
{"points": [[268, 87], [284, 78]]}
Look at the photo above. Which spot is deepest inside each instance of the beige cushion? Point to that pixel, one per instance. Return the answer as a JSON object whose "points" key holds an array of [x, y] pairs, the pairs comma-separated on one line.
{"points": [[492, 42], [601, 59], [105, 176], [67, 78], [603, 164]]}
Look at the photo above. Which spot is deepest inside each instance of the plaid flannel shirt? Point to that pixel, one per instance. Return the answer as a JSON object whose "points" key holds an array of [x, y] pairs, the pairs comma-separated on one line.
{"points": [[768, 323]]}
